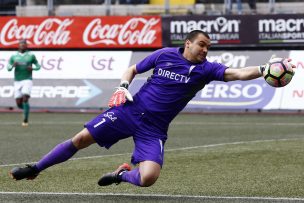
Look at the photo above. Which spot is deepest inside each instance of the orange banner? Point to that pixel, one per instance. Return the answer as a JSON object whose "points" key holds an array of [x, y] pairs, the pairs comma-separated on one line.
{"points": [[82, 32]]}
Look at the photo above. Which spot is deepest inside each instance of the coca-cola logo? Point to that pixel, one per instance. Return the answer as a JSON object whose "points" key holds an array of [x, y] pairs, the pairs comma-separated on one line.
{"points": [[134, 31], [52, 31]]}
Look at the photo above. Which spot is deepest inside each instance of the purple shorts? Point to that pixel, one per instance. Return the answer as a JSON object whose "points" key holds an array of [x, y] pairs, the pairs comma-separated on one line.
{"points": [[125, 121]]}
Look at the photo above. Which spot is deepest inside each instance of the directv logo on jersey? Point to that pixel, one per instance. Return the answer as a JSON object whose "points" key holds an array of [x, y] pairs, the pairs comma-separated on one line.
{"points": [[173, 76]]}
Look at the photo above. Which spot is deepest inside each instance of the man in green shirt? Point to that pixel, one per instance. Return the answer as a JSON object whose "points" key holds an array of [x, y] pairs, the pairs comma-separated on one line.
{"points": [[22, 63]]}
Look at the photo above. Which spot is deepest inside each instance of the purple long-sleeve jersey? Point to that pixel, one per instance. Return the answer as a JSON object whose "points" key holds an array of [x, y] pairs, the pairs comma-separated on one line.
{"points": [[174, 82]]}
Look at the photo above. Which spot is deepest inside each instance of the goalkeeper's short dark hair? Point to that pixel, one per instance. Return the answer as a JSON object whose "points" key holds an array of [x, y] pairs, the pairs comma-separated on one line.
{"points": [[193, 34]]}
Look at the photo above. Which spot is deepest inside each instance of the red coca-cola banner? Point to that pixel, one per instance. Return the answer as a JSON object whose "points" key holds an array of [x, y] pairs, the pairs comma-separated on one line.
{"points": [[82, 32]]}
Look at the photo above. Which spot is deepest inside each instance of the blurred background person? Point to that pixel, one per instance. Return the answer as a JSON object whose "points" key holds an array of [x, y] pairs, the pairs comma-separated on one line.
{"points": [[229, 7], [22, 63], [252, 6]]}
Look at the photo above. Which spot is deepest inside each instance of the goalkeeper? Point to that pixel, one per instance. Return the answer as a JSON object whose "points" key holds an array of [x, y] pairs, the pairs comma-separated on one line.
{"points": [[22, 63], [178, 74]]}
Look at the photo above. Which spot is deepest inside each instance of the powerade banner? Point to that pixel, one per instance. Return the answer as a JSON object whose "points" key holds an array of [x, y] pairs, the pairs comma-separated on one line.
{"points": [[82, 32], [237, 30], [253, 94], [68, 93]]}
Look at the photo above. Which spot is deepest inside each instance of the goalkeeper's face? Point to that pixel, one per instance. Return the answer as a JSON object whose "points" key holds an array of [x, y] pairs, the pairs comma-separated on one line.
{"points": [[198, 48]]}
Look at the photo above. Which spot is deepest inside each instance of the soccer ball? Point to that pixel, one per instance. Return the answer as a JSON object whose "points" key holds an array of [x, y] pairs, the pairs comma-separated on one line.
{"points": [[278, 72]]}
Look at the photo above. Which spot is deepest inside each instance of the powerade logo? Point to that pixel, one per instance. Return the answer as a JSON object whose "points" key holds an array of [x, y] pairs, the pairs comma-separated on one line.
{"points": [[80, 93], [254, 94]]}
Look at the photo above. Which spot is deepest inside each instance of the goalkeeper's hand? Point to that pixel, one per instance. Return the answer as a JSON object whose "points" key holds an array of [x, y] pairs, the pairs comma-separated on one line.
{"points": [[120, 96], [263, 67]]}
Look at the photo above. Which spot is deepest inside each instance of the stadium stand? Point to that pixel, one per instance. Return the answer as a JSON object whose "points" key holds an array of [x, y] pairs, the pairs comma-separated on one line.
{"points": [[147, 7], [7, 7]]}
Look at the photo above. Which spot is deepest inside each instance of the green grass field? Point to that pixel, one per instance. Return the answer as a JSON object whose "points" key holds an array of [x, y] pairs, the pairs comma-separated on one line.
{"points": [[208, 158]]}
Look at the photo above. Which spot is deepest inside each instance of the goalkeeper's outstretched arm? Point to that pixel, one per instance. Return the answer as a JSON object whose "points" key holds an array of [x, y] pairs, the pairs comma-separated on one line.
{"points": [[247, 73]]}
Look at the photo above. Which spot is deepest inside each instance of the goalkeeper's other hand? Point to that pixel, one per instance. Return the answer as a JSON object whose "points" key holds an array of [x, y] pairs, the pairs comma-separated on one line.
{"points": [[120, 96], [263, 67]]}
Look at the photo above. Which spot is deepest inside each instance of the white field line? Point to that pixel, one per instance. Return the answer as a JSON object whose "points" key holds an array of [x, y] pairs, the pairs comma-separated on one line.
{"points": [[44, 123], [151, 195], [169, 150], [173, 123], [238, 123]]}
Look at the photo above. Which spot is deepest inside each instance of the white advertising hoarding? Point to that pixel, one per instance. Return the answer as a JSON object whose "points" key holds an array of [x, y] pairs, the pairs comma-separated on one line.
{"points": [[86, 79], [293, 94], [74, 64]]}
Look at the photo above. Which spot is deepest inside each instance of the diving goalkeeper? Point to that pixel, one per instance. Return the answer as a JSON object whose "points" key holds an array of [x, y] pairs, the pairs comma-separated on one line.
{"points": [[178, 74]]}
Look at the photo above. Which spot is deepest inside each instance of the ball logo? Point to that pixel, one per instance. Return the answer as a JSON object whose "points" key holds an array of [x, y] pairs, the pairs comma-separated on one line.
{"points": [[51, 31], [134, 31]]}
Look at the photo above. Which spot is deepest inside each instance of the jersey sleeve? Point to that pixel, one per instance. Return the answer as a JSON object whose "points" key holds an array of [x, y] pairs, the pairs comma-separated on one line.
{"points": [[218, 71], [10, 63], [148, 62], [35, 62]]}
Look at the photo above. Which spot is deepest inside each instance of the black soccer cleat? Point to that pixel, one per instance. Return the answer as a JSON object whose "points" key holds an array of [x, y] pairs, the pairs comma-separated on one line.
{"points": [[29, 172], [114, 177]]}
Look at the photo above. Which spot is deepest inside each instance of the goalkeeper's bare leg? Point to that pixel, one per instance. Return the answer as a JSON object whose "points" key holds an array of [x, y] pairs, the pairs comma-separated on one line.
{"points": [[62, 152]]}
